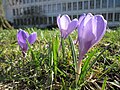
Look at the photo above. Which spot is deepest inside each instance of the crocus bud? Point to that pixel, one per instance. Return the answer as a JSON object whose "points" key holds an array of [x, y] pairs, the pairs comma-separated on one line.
{"points": [[65, 25], [23, 37]]}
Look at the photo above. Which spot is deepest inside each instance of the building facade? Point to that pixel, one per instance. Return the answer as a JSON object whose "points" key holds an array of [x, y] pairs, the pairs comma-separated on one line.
{"points": [[27, 13]]}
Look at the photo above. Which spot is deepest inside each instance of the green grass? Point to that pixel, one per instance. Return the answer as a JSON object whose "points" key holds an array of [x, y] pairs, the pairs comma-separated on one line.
{"points": [[46, 67]]}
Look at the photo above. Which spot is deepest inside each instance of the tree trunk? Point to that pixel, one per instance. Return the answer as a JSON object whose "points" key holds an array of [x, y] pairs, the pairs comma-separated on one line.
{"points": [[3, 22]]}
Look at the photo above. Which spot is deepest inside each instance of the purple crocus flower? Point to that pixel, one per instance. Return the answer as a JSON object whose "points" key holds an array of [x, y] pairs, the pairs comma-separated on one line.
{"points": [[90, 31], [65, 25], [22, 38]]}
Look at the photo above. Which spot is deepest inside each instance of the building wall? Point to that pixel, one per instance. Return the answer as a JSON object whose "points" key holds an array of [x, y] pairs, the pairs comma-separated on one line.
{"points": [[44, 12], [7, 10]]}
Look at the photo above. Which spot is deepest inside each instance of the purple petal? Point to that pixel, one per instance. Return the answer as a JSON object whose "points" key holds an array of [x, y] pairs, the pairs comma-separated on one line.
{"points": [[81, 18], [22, 36], [85, 40], [72, 26], [32, 38], [58, 22], [85, 35], [63, 33], [23, 46], [63, 22], [85, 28], [99, 27], [89, 16], [85, 46]]}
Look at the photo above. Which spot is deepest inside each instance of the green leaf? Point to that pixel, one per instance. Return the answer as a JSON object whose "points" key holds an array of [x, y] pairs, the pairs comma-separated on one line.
{"points": [[63, 48], [55, 44], [73, 53], [94, 61], [35, 60], [86, 65], [104, 83]]}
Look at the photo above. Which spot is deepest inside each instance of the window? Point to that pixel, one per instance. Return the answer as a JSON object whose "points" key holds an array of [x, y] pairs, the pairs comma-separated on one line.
{"points": [[13, 12], [23, 1], [49, 8], [97, 3], [21, 21], [13, 3], [91, 4], [54, 7], [29, 21], [104, 3], [16, 1], [41, 20], [21, 11], [18, 22], [74, 5], [117, 16], [17, 11], [28, 10], [117, 3], [74, 16], [69, 6], [33, 22], [63, 6], [45, 8], [24, 11], [110, 3], [36, 0], [25, 21], [36, 9], [70, 16], [32, 9], [15, 22], [40, 8], [32, 1], [59, 7], [80, 5], [54, 20], [50, 20], [110, 16], [79, 16], [45, 20], [20, 1], [85, 4], [27, 1], [37, 20], [104, 15]]}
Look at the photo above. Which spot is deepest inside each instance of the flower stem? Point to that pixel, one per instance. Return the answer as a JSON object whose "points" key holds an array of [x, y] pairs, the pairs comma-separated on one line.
{"points": [[78, 70]]}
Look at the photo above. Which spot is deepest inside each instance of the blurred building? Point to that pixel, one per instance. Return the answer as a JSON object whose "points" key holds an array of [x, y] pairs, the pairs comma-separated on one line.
{"points": [[27, 13]]}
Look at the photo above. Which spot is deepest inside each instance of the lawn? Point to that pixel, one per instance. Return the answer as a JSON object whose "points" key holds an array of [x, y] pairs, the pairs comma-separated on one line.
{"points": [[45, 67]]}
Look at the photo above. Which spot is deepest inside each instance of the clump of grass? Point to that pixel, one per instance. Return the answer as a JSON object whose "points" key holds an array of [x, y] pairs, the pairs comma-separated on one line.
{"points": [[47, 67]]}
